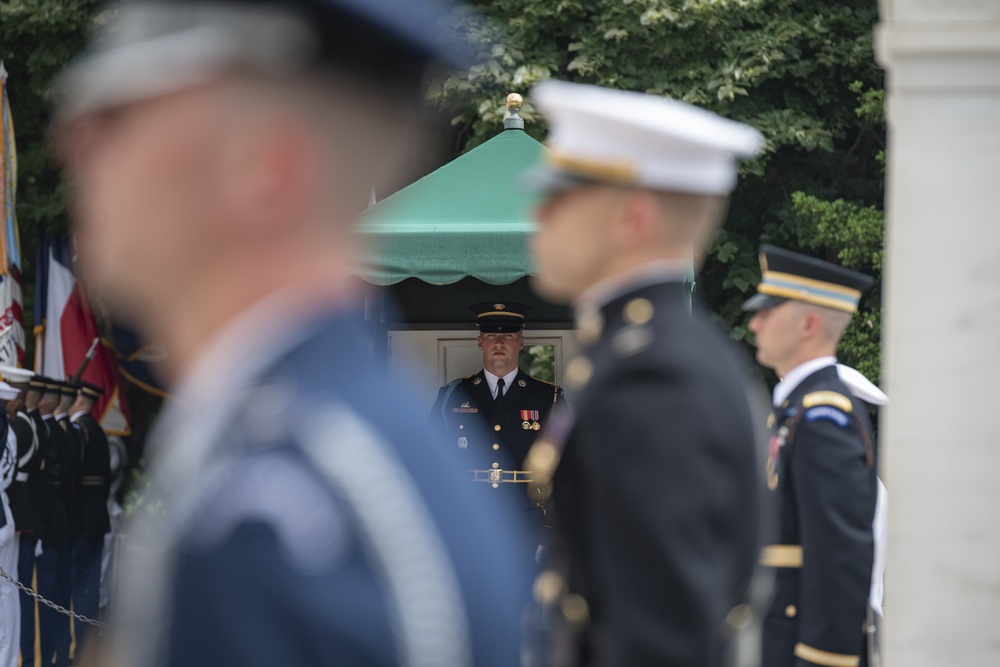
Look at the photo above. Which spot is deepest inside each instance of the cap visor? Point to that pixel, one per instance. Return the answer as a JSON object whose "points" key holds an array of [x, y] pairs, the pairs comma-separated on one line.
{"points": [[543, 178], [762, 302]]}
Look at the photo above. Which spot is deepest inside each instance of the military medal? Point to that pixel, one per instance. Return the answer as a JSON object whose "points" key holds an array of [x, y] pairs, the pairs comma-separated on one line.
{"points": [[530, 418], [535, 426], [773, 454], [463, 443]]}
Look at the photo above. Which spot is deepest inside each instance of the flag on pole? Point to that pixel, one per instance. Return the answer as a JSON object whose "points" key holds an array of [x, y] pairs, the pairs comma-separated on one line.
{"points": [[65, 328], [12, 347]]}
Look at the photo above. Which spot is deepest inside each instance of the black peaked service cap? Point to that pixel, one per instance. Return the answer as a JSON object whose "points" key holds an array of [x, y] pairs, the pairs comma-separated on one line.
{"points": [[500, 316], [791, 276]]}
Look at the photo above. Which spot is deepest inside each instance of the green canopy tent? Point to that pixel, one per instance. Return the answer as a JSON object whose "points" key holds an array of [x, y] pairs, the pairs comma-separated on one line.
{"points": [[468, 219], [458, 236]]}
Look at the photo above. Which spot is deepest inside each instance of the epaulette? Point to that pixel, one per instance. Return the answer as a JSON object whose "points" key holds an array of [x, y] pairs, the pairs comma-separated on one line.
{"points": [[830, 398], [551, 384]]}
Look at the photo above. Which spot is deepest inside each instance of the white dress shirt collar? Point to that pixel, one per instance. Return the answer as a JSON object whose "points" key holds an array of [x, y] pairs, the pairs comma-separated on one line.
{"points": [[491, 380], [794, 377]]}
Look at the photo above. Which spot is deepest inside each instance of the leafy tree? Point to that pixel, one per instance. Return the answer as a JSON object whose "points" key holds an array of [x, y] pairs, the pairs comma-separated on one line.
{"points": [[37, 39], [801, 71]]}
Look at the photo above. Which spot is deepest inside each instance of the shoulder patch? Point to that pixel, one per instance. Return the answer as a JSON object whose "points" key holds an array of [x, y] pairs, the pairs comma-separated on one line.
{"points": [[827, 398], [827, 413]]}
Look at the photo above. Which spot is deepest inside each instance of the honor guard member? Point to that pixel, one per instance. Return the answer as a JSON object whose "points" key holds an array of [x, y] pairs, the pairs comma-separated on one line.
{"points": [[52, 565], [492, 417], [92, 498], [41, 491], [55, 565], [10, 606], [309, 517], [821, 464], [653, 483]]}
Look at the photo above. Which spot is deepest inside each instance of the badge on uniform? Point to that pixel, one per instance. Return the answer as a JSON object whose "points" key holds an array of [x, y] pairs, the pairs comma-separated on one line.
{"points": [[530, 422], [477, 380], [463, 443], [465, 407], [522, 383], [774, 456]]}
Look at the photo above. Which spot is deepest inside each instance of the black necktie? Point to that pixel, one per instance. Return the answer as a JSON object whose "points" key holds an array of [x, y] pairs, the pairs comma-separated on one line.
{"points": [[500, 384]]}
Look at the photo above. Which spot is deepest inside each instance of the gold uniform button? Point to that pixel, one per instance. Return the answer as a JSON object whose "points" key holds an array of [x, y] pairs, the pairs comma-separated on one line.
{"points": [[638, 311], [739, 617], [461, 426], [589, 326], [496, 427], [496, 446], [576, 611], [578, 372], [548, 587], [791, 611], [496, 465]]}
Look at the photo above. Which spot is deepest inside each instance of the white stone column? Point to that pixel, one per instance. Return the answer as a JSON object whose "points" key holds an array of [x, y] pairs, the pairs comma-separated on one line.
{"points": [[941, 343]]}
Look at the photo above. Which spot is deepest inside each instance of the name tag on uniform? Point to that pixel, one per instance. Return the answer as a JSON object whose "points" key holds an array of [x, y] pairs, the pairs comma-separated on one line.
{"points": [[465, 409]]}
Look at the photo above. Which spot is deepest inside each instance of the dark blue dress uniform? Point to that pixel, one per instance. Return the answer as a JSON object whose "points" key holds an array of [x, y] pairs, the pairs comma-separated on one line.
{"points": [[821, 471], [94, 521], [485, 431], [653, 486], [821, 468]]}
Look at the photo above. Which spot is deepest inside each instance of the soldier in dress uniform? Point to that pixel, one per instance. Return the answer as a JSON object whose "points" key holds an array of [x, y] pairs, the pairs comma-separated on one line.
{"points": [[653, 485], [821, 464], [493, 416], [40, 491], [221, 153], [92, 499], [54, 564]]}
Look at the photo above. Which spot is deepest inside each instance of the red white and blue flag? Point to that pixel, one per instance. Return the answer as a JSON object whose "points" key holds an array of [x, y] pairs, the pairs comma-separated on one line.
{"points": [[65, 329]]}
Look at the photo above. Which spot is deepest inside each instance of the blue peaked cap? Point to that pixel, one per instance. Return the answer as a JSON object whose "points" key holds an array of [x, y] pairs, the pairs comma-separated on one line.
{"points": [[151, 47]]}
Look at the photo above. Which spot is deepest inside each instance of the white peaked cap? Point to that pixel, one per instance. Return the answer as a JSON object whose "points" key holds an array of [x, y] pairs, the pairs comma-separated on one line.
{"points": [[7, 392], [15, 374], [861, 386], [638, 139]]}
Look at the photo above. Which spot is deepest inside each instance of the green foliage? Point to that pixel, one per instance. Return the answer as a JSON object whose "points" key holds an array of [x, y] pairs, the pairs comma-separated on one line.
{"points": [[539, 361], [801, 71], [37, 39]]}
